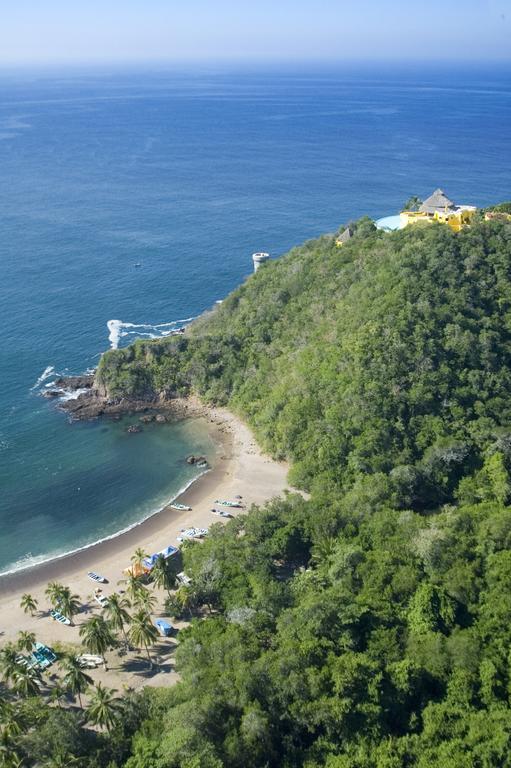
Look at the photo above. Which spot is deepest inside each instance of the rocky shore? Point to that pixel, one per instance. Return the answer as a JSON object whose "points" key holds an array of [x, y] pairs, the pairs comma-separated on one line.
{"points": [[89, 402]]}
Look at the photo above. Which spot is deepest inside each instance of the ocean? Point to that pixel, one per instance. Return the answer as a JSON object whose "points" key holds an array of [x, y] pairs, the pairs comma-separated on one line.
{"points": [[185, 173]]}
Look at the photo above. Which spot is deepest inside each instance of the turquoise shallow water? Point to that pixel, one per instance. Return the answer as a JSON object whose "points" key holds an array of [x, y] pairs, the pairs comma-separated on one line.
{"points": [[187, 174], [100, 480]]}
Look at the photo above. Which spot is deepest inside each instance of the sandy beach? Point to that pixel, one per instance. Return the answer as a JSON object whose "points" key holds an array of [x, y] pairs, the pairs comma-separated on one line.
{"points": [[240, 468]]}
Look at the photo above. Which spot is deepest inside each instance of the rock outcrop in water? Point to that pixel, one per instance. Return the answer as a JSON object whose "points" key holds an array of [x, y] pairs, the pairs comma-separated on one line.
{"points": [[92, 401]]}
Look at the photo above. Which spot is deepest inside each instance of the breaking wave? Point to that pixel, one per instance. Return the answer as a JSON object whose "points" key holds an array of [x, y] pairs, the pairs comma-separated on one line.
{"points": [[117, 330], [48, 371]]}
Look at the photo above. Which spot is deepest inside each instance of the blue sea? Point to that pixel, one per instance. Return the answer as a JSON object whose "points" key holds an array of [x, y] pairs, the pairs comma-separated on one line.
{"points": [[186, 173]]}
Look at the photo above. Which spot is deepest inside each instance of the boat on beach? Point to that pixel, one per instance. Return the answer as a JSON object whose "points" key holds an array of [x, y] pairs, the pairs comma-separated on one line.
{"points": [[96, 577], [221, 513], [89, 661], [233, 504], [192, 533], [180, 507], [57, 616]]}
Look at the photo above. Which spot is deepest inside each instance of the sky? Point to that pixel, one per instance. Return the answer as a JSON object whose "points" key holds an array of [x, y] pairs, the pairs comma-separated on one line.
{"points": [[80, 31]]}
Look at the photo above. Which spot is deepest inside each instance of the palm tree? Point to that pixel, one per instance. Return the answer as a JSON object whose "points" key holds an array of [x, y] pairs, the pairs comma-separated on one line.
{"points": [[54, 593], [144, 600], [323, 550], [26, 681], [26, 641], [103, 707], [96, 635], [69, 604], [116, 613], [57, 693], [185, 597], [143, 632], [12, 721], [162, 574], [413, 203], [138, 558], [133, 586], [8, 663], [28, 603], [9, 758], [63, 760], [75, 679]]}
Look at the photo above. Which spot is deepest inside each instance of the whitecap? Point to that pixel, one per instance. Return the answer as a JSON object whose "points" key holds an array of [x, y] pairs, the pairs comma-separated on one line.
{"points": [[114, 327], [72, 394], [119, 329], [48, 371]]}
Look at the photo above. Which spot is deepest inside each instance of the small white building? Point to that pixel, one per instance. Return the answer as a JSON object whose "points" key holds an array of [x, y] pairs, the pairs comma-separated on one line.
{"points": [[258, 259]]}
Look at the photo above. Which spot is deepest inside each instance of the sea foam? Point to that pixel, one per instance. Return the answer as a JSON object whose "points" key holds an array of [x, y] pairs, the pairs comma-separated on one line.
{"points": [[28, 560], [48, 371], [117, 329]]}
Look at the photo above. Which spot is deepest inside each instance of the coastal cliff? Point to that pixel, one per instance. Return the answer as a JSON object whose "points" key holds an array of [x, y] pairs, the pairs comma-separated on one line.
{"points": [[377, 356], [368, 623]]}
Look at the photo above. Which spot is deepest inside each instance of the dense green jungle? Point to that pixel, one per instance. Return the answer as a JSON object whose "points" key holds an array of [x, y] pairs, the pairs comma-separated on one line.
{"points": [[364, 620]]}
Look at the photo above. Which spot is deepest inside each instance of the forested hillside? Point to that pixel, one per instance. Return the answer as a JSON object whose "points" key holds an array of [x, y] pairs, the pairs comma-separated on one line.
{"points": [[386, 361], [370, 625]]}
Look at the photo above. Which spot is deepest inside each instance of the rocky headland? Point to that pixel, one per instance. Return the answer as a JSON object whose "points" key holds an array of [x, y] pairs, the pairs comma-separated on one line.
{"points": [[89, 400]]}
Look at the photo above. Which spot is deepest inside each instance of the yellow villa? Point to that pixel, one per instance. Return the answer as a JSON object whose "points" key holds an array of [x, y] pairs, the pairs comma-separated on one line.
{"points": [[439, 208]]}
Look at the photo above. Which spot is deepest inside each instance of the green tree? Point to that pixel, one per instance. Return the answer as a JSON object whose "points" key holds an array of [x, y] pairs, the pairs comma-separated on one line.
{"points": [[163, 574], [104, 707], [96, 636], [69, 604], [412, 204], [431, 610], [26, 682], [143, 633], [75, 679], [54, 592], [143, 600], [28, 603], [8, 663], [116, 613], [138, 558], [26, 641]]}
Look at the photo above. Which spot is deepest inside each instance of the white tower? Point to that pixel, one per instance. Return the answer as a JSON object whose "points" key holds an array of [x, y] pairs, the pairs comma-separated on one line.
{"points": [[258, 259]]}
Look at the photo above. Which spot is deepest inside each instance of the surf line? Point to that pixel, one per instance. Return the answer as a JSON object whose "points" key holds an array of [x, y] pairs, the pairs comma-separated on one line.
{"points": [[117, 329]]}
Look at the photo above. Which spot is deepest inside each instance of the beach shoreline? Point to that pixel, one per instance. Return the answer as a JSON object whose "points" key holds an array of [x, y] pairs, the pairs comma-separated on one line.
{"points": [[239, 468], [58, 567]]}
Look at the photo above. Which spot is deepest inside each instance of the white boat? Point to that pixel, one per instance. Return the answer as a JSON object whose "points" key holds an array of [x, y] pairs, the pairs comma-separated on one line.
{"points": [[89, 661], [221, 513], [101, 600], [192, 533], [180, 507], [57, 616], [234, 504], [96, 577]]}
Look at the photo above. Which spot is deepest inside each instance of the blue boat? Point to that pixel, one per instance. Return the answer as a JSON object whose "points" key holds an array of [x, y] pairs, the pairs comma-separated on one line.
{"points": [[46, 651], [41, 661], [163, 627]]}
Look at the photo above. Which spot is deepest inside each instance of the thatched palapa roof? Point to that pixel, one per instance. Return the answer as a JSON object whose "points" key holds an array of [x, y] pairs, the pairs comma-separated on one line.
{"points": [[345, 236], [438, 201]]}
